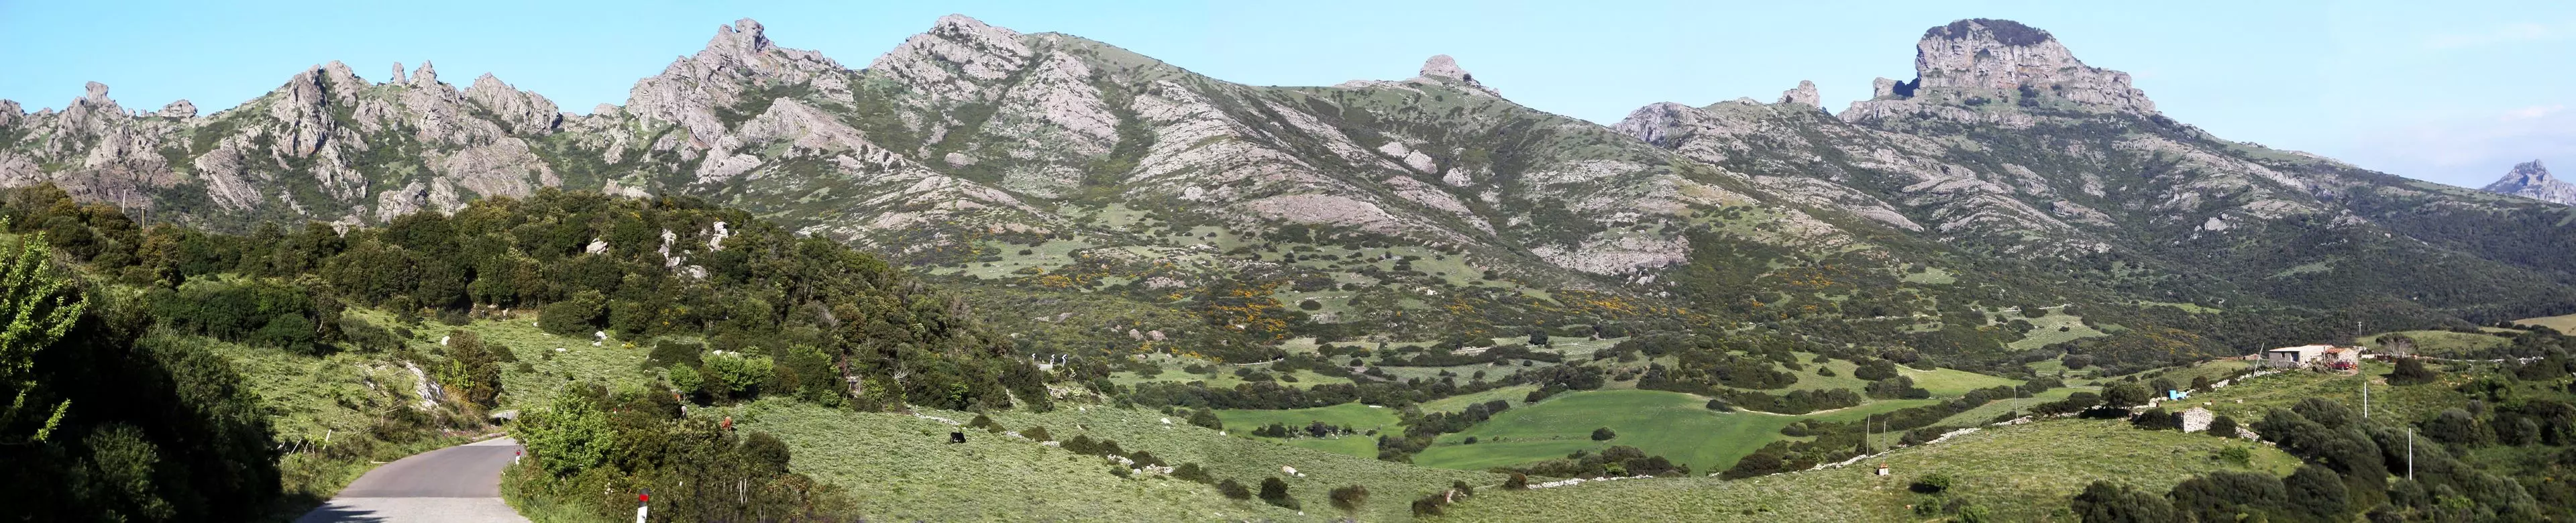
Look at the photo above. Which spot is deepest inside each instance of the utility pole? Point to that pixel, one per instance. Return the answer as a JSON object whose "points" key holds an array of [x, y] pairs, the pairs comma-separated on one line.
{"points": [[2410, 454], [2365, 397]]}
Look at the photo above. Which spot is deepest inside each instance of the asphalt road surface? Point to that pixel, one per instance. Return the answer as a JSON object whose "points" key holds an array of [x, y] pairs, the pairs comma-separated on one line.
{"points": [[460, 484]]}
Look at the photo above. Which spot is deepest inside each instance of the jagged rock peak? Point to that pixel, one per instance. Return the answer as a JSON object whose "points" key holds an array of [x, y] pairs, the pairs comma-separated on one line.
{"points": [[2531, 180], [1997, 59], [2530, 172], [427, 75], [744, 39], [179, 109], [961, 25], [956, 45], [1443, 68], [526, 112], [399, 77], [95, 94], [1805, 94]]}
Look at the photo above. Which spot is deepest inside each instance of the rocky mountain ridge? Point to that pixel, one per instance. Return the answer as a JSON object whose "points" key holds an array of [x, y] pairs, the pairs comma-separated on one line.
{"points": [[2531, 180], [1039, 163]]}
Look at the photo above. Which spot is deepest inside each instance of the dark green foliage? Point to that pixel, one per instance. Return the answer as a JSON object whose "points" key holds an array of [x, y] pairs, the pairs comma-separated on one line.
{"points": [[2077, 402], [1275, 492], [157, 429], [2222, 426], [2124, 395], [1206, 418], [1232, 489], [589, 440], [2228, 494], [2157, 419], [1429, 505], [2411, 371], [473, 368], [2316, 492], [1350, 498], [1616, 461], [1933, 483], [1603, 434], [2106, 502]]}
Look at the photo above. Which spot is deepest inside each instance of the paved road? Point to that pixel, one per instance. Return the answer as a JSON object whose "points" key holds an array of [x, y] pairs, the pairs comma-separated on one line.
{"points": [[460, 484]]}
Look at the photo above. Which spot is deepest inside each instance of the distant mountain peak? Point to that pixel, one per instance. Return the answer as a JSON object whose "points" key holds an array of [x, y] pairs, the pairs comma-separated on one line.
{"points": [[2531, 180]]}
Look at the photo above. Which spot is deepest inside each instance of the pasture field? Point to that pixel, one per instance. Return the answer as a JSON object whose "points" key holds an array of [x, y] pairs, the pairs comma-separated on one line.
{"points": [[1952, 382], [2564, 324], [2447, 343], [2019, 473], [1670, 424], [1358, 417]]}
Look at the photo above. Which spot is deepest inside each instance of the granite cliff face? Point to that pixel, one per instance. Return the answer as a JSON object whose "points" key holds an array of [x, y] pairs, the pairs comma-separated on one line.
{"points": [[2531, 180], [1051, 162]]}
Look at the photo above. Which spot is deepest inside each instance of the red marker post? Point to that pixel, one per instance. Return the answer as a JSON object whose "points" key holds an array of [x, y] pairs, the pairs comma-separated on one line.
{"points": [[642, 504]]}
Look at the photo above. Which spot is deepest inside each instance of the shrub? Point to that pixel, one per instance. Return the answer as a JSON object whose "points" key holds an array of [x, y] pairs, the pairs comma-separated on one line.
{"points": [[2411, 371], [1603, 434], [1933, 483], [1191, 472], [575, 316], [1231, 489], [1275, 492], [1429, 505], [1350, 498], [2222, 426], [1037, 433]]}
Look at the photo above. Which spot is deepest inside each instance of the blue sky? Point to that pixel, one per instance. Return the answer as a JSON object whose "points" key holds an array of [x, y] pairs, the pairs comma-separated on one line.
{"points": [[2453, 92]]}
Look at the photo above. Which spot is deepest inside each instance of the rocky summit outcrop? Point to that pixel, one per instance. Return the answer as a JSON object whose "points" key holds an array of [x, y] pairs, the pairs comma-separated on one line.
{"points": [[1805, 95], [2531, 180], [1443, 69], [1989, 65]]}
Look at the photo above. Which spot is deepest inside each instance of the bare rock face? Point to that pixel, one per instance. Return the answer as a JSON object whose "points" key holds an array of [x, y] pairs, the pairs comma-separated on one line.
{"points": [[1805, 94], [1443, 69], [1882, 88], [398, 77], [2531, 180], [178, 109], [691, 88], [427, 76], [525, 112], [1982, 56]]}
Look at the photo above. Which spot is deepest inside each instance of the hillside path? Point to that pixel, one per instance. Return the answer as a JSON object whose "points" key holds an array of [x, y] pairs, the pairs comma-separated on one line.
{"points": [[458, 484]]}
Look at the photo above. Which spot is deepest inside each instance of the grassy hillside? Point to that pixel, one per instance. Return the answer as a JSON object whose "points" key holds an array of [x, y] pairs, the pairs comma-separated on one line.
{"points": [[2019, 473], [901, 467]]}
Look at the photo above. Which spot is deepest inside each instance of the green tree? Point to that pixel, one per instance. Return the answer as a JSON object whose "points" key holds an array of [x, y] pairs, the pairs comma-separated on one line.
{"points": [[571, 434], [734, 376], [2124, 395], [473, 368], [2316, 491], [42, 307], [1603, 434], [574, 316]]}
